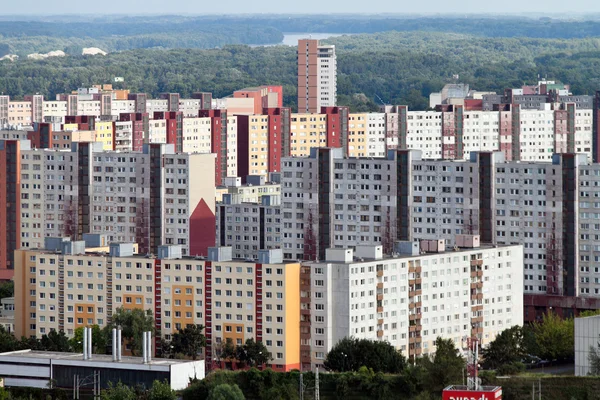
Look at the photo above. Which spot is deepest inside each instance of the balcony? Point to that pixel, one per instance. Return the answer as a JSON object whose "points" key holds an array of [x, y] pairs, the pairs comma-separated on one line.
{"points": [[379, 334], [477, 273], [380, 322], [477, 330], [414, 305], [415, 270], [476, 263], [380, 285], [379, 297], [379, 309], [477, 296], [379, 274], [304, 312]]}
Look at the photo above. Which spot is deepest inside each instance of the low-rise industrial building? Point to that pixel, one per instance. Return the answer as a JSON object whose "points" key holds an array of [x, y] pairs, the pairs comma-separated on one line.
{"points": [[40, 369]]}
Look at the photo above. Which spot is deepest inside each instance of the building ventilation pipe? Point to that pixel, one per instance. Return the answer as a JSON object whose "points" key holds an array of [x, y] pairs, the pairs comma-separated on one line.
{"points": [[114, 344]]}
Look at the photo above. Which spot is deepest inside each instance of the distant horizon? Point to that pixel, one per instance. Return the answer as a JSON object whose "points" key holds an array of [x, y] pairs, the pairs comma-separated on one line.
{"points": [[15, 9]]}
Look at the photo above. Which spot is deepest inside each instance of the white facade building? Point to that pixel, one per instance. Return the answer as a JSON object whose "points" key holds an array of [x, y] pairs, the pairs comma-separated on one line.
{"points": [[587, 336], [410, 300]]}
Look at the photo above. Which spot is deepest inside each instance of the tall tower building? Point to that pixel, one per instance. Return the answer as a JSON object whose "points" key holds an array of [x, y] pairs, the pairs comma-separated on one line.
{"points": [[317, 85]]}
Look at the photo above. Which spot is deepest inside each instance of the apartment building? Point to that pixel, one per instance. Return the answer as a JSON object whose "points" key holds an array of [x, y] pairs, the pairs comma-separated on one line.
{"points": [[317, 76], [255, 187], [198, 138], [548, 207], [367, 136], [64, 286], [411, 298], [249, 228], [151, 198]]}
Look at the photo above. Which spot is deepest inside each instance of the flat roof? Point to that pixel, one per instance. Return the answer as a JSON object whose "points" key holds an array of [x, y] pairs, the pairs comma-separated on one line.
{"points": [[55, 355], [449, 250]]}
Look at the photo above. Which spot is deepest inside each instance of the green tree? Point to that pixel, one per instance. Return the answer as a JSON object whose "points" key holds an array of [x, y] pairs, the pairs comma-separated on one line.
{"points": [[133, 323], [555, 337], [8, 342], [31, 343], [253, 353], [55, 341], [350, 354], [4, 395], [99, 340], [161, 391], [118, 392], [506, 348], [226, 392], [7, 289], [444, 367], [189, 341], [227, 352]]}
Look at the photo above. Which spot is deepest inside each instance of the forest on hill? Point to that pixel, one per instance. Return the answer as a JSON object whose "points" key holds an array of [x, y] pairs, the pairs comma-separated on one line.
{"points": [[24, 35], [393, 67]]}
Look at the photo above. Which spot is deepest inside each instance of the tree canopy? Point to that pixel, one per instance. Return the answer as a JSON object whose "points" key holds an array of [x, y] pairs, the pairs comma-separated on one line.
{"points": [[7, 289], [390, 67], [226, 392], [189, 341], [133, 323], [555, 337], [508, 347], [444, 367], [350, 354]]}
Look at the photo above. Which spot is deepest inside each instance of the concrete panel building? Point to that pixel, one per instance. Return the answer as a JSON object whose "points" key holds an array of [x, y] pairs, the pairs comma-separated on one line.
{"points": [[587, 337], [153, 197], [317, 76], [409, 299], [236, 299]]}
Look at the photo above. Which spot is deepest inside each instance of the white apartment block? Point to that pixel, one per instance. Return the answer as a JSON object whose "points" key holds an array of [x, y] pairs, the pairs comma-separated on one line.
{"points": [[326, 76], [55, 108], [122, 107], [197, 138], [157, 131], [410, 299]]}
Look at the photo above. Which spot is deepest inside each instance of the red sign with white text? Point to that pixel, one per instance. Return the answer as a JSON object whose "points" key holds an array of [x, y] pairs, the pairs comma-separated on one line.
{"points": [[471, 395]]}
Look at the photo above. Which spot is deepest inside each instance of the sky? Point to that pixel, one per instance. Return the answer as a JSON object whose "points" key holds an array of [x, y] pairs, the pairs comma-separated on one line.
{"points": [[138, 7]]}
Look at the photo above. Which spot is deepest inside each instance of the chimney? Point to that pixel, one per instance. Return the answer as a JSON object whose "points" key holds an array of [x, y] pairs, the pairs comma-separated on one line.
{"points": [[85, 339], [114, 344], [144, 347], [149, 351], [89, 352], [119, 345]]}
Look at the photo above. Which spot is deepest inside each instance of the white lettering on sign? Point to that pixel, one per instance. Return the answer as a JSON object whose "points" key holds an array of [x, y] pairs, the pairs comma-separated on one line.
{"points": [[467, 398]]}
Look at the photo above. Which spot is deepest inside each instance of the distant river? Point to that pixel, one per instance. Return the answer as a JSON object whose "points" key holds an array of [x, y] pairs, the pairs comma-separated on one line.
{"points": [[291, 38]]}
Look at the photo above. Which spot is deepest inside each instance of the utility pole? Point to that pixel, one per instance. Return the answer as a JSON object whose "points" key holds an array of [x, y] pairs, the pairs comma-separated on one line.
{"points": [[301, 386]]}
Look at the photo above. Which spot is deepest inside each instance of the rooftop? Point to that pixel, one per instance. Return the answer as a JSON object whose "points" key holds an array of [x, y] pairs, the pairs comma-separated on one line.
{"points": [[358, 257], [55, 355]]}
